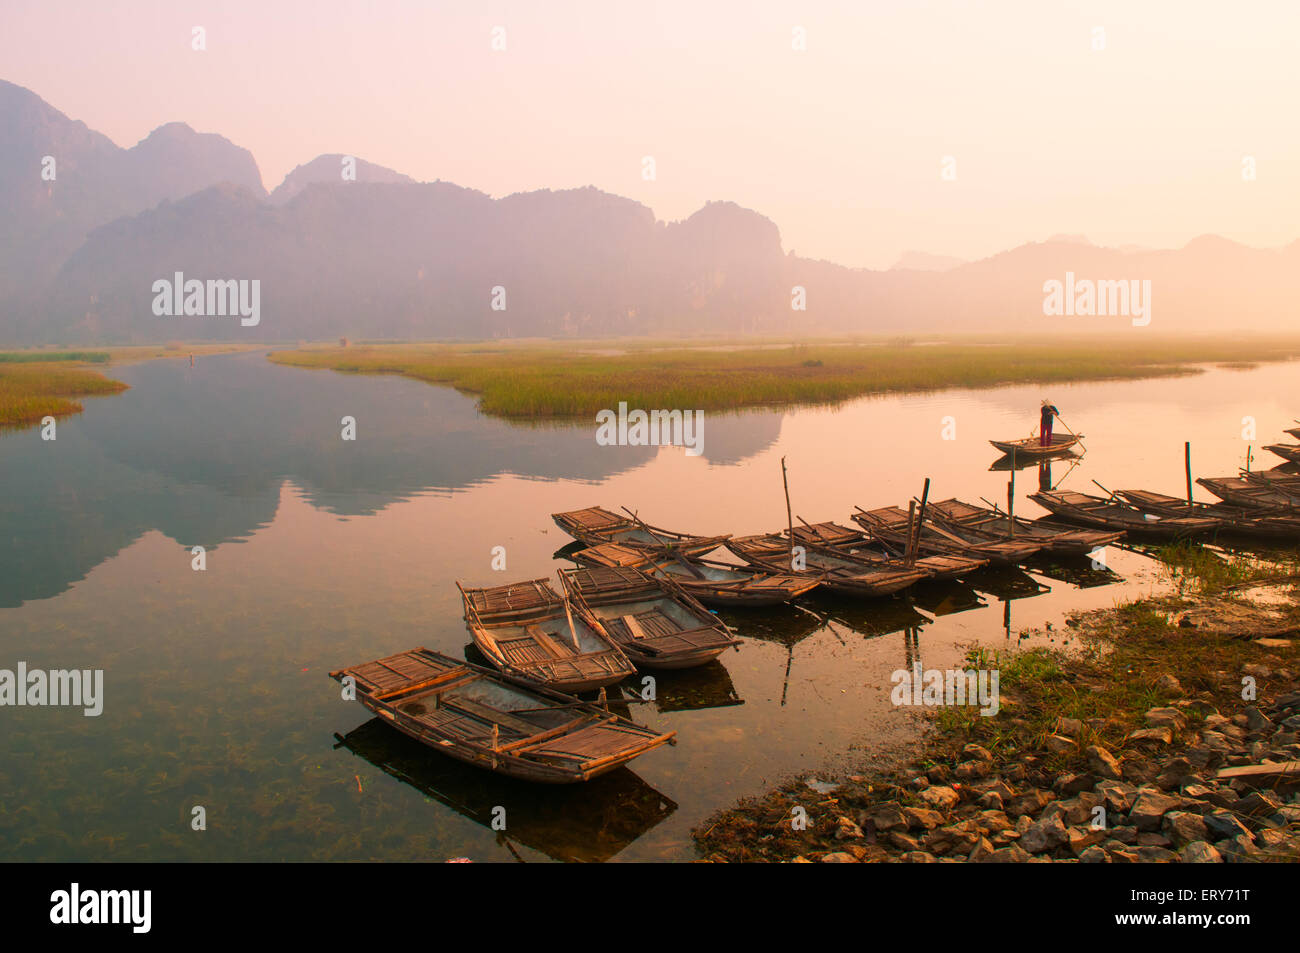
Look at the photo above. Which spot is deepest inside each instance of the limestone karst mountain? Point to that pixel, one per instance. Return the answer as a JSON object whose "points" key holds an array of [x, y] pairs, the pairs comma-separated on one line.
{"points": [[381, 255]]}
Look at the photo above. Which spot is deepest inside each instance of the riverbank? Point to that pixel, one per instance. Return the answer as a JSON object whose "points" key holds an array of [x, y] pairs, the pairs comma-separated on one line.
{"points": [[32, 389], [577, 379], [1142, 743], [40, 383]]}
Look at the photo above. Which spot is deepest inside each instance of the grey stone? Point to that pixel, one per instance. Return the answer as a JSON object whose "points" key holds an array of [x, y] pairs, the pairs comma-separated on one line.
{"points": [[1044, 835], [922, 817], [940, 797], [1165, 717], [1102, 763], [1199, 852], [1183, 827], [1149, 807], [1156, 855], [1224, 825]]}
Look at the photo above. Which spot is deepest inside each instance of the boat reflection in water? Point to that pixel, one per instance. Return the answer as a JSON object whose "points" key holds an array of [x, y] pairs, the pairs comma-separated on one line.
{"points": [[947, 597], [1081, 572], [689, 689], [1022, 461], [592, 822]]}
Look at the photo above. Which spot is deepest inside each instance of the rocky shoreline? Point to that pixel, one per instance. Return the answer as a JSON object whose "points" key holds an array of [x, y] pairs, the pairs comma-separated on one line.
{"points": [[1203, 776]]}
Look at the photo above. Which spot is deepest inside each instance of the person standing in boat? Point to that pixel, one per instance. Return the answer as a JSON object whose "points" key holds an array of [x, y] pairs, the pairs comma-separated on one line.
{"points": [[1045, 424]]}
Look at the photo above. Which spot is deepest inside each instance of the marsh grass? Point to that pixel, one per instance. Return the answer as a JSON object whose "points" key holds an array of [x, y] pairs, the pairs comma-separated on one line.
{"points": [[1112, 681], [49, 357], [1193, 567], [557, 379], [30, 391]]}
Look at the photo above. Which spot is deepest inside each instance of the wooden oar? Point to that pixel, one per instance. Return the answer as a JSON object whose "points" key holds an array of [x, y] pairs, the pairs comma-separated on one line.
{"points": [[1070, 432], [1110, 493], [667, 546]]}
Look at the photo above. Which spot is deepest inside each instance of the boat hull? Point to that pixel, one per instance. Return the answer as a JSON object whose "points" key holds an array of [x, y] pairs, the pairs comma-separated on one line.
{"points": [[1030, 447], [494, 721]]}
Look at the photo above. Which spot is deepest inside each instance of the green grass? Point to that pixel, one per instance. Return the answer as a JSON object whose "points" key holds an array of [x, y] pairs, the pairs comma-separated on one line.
{"points": [[566, 379], [1112, 679], [1194, 568], [30, 391], [47, 357]]}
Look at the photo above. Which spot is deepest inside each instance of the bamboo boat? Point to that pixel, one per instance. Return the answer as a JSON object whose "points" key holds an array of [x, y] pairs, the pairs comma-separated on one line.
{"points": [[568, 823], [496, 721], [527, 630], [854, 544], [970, 521], [1033, 447], [711, 581], [1231, 519], [1243, 491], [895, 526], [1287, 451], [1280, 480], [596, 525], [657, 624], [1113, 514], [836, 573]]}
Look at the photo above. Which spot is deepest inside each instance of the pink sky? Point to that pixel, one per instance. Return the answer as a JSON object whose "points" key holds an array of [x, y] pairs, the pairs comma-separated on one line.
{"points": [[841, 145]]}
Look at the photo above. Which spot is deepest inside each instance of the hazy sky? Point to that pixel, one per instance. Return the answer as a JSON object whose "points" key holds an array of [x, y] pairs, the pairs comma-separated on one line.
{"points": [[842, 145]]}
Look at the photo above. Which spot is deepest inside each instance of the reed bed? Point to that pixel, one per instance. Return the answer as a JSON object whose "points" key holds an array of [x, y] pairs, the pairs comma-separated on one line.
{"points": [[551, 379], [50, 357], [31, 390]]}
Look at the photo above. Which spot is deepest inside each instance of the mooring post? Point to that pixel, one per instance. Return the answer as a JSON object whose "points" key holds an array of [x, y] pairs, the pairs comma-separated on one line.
{"points": [[911, 526], [920, 519], [789, 515], [1187, 460], [1011, 499]]}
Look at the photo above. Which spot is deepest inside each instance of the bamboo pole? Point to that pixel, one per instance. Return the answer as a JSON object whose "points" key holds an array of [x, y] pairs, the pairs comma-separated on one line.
{"points": [[1071, 432], [1187, 459], [920, 519], [573, 631], [676, 554], [1011, 499], [789, 513]]}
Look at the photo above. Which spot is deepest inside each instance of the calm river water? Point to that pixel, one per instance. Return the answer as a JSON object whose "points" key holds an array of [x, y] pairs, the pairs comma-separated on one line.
{"points": [[322, 552]]}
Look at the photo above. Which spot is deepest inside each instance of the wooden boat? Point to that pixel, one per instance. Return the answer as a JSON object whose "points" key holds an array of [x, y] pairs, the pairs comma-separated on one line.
{"points": [[653, 621], [711, 581], [1276, 479], [1243, 491], [837, 573], [496, 721], [895, 525], [849, 543], [970, 521], [1113, 514], [1293, 432], [568, 823], [1232, 519], [596, 525], [1032, 446], [1287, 451], [529, 631]]}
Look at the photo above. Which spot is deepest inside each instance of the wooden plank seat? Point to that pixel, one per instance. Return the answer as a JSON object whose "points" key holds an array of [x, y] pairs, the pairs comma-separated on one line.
{"points": [[498, 724]]}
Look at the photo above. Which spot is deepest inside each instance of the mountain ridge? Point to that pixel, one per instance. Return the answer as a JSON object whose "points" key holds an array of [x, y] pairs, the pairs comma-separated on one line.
{"points": [[345, 247]]}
